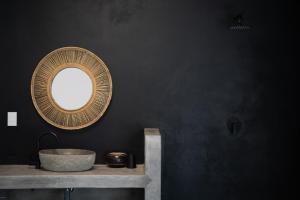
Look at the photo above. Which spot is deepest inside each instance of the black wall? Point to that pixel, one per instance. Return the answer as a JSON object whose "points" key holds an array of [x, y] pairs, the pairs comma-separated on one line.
{"points": [[176, 66]]}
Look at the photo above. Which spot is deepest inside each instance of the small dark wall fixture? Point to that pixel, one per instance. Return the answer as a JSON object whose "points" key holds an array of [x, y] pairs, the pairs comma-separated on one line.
{"points": [[238, 23], [234, 125]]}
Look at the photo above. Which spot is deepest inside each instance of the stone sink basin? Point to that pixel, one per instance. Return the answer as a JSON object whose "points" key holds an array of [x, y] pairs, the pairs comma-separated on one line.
{"points": [[67, 160]]}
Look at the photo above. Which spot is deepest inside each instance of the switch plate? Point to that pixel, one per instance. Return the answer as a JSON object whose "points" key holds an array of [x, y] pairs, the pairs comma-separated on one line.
{"points": [[11, 118]]}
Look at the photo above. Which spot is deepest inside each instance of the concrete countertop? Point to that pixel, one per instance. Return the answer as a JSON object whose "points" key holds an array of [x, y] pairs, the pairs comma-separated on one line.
{"points": [[101, 176]]}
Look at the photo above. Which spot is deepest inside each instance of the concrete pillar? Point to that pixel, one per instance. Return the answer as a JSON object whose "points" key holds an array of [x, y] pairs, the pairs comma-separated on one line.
{"points": [[153, 163]]}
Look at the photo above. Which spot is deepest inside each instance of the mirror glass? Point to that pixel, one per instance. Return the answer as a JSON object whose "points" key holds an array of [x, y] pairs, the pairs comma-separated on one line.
{"points": [[71, 88]]}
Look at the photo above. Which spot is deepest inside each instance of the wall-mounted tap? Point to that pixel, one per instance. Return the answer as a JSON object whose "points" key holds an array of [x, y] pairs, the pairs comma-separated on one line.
{"points": [[38, 163], [234, 125]]}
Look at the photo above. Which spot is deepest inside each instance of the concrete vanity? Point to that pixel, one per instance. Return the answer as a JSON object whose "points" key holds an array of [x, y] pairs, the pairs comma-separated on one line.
{"points": [[146, 176]]}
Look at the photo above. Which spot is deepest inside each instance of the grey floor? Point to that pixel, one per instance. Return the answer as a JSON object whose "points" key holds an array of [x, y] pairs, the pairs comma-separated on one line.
{"points": [[77, 194]]}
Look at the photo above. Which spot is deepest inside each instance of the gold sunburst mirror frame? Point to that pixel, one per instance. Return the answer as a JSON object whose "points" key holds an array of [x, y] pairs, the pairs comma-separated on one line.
{"points": [[41, 84]]}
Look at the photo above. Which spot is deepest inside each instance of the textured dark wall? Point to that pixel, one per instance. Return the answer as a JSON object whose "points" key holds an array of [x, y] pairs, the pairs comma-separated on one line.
{"points": [[176, 66]]}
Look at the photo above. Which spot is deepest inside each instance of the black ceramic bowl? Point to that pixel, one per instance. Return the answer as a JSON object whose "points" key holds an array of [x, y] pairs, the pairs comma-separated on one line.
{"points": [[116, 159]]}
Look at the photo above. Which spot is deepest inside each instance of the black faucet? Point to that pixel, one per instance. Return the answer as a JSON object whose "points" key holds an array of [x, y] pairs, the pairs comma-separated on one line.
{"points": [[38, 162]]}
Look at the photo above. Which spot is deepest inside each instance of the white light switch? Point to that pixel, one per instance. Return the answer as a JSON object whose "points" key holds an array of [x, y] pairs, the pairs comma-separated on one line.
{"points": [[11, 118]]}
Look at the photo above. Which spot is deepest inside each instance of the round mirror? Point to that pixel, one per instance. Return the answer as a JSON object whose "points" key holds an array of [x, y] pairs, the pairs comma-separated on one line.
{"points": [[71, 88]]}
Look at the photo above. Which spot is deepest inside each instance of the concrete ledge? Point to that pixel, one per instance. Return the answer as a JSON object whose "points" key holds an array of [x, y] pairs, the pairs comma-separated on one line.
{"points": [[101, 176]]}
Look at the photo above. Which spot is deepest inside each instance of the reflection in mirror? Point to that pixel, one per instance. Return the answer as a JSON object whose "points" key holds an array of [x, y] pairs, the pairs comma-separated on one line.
{"points": [[71, 88]]}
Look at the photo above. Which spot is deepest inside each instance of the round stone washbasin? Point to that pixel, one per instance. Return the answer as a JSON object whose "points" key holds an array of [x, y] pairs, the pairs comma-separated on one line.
{"points": [[67, 160]]}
